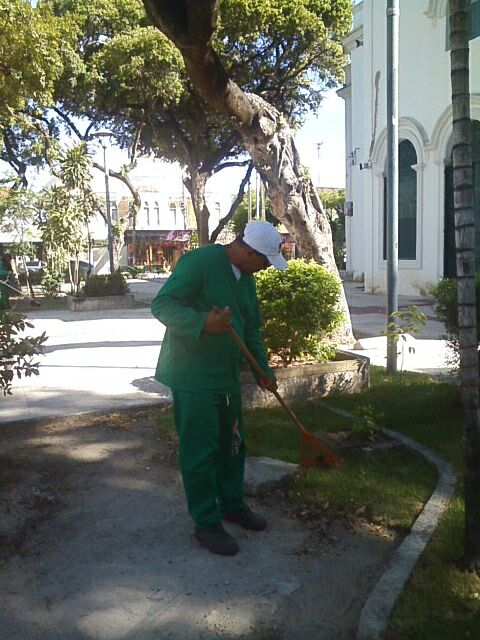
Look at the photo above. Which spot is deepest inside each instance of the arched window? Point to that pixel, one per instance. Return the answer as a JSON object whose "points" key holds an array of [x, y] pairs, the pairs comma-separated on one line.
{"points": [[407, 203], [173, 212]]}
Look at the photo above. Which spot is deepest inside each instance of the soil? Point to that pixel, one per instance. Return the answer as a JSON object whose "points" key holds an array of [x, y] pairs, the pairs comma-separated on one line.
{"points": [[96, 543]]}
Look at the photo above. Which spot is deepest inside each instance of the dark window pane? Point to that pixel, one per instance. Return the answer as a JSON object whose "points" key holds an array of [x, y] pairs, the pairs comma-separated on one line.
{"points": [[407, 204]]}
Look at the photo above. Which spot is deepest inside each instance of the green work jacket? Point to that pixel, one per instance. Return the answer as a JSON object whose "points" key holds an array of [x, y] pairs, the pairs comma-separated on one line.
{"points": [[192, 360]]}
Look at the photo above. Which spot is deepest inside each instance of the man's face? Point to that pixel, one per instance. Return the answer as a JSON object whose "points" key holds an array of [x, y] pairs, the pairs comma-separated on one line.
{"points": [[253, 261]]}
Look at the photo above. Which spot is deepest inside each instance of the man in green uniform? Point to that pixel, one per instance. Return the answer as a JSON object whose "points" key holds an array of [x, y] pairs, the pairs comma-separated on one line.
{"points": [[5, 280], [211, 288]]}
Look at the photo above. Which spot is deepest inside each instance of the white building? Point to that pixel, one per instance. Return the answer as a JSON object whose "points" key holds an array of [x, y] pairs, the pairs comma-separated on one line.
{"points": [[426, 229]]}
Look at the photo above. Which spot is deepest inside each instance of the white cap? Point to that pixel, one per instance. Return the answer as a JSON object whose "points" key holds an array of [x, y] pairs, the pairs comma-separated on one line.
{"points": [[264, 238]]}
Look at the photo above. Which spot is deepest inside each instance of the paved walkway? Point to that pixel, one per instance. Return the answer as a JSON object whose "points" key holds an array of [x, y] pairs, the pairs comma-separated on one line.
{"points": [[426, 352]]}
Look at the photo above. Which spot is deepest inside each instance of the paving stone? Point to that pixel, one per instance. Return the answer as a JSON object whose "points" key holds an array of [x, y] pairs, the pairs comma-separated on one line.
{"points": [[263, 474]]}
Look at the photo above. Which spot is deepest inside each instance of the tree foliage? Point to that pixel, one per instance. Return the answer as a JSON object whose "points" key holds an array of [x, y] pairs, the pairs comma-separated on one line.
{"points": [[17, 351], [66, 209], [132, 79], [30, 55]]}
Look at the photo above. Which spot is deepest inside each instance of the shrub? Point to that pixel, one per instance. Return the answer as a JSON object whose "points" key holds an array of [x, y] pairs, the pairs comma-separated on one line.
{"points": [[134, 271], [445, 294], [52, 283], [299, 309], [105, 285]]}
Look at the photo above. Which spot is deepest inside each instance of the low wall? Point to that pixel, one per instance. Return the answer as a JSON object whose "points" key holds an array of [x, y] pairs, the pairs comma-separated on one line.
{"points": [[126, 301], [346, 374]]}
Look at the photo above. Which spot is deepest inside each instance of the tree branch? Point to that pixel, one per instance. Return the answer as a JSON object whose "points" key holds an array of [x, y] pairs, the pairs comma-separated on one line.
{"points": [[227, 165], [67, 120], [241, 192]]}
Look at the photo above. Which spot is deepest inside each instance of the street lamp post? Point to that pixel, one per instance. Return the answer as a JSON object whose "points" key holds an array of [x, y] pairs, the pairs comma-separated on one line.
{"points": [[103, 135], [392, 181], [319, 146]]}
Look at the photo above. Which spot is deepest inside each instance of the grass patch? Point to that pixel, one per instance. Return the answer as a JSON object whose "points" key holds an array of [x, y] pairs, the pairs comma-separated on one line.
{"points": [[440, 601], [423, 409], [363, 485]]}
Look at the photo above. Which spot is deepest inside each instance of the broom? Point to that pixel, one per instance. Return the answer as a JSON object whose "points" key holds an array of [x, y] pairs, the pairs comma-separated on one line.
{"points": [[33, 302], [312, 450]]}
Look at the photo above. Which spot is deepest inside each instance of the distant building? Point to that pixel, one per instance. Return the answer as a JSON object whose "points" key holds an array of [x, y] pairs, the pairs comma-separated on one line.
{"points": [[426, 226], [165, 222]]}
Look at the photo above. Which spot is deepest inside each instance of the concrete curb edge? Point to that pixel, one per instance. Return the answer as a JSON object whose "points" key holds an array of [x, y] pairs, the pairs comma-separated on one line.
{"points": [[377, 609]]}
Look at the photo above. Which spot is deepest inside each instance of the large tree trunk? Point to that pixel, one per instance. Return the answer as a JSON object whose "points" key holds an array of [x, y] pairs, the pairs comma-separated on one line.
{"points": [[465, 251], [263, 130], [196, 185]]}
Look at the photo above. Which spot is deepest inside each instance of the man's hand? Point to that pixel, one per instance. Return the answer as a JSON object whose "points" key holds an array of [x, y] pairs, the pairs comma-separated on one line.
{"points": [[218, 320], [268, 383]]}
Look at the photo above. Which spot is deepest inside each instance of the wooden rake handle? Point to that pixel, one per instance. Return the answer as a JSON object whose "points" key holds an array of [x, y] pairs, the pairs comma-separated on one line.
{"points": [[261, 373]]}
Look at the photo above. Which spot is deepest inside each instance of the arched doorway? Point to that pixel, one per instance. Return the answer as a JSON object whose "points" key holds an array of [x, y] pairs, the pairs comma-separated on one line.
{"points": [[449, 258]]}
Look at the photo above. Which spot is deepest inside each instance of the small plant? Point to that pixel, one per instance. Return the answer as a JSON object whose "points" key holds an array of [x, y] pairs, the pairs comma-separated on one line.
{"points": [[445, 294], [51, 283], [299, 309], [105, 285], [408, 321], [135, 270], [17, 353], [365, 426]]}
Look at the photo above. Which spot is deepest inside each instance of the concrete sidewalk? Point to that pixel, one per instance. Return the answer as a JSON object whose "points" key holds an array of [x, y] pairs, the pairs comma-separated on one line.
{"points": [[426, 352], [98, 361]]}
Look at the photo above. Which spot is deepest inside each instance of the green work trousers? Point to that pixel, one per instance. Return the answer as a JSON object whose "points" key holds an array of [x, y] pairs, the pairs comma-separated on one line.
{"points": [[211, 453], [4, 297]]}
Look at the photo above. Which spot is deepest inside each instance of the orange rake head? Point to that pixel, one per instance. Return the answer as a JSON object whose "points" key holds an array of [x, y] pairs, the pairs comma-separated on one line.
{"points": [[313, 452]]}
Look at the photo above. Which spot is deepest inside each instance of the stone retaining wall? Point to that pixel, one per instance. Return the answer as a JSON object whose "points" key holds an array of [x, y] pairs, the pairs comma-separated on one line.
{"points": [[126, 301], [346, 374]]}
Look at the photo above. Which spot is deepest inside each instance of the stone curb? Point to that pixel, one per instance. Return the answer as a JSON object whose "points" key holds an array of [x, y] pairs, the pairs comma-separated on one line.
{"points": [[378, 607]]}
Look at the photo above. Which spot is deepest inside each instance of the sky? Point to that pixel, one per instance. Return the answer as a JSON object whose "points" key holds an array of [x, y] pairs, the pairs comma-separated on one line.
{"points": [[327, 166]]}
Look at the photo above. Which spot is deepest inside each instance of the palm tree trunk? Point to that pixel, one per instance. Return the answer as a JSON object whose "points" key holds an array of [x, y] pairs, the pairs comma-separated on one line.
{"points": [[465, 252]]}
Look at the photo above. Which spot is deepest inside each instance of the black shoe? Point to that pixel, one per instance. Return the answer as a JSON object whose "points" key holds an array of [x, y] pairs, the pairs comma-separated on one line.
{"points": [[247, 519], [217, 540]]}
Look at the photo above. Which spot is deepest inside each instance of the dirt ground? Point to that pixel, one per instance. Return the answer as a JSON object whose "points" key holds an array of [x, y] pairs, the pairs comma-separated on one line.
{"points": [[96, 544]]}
